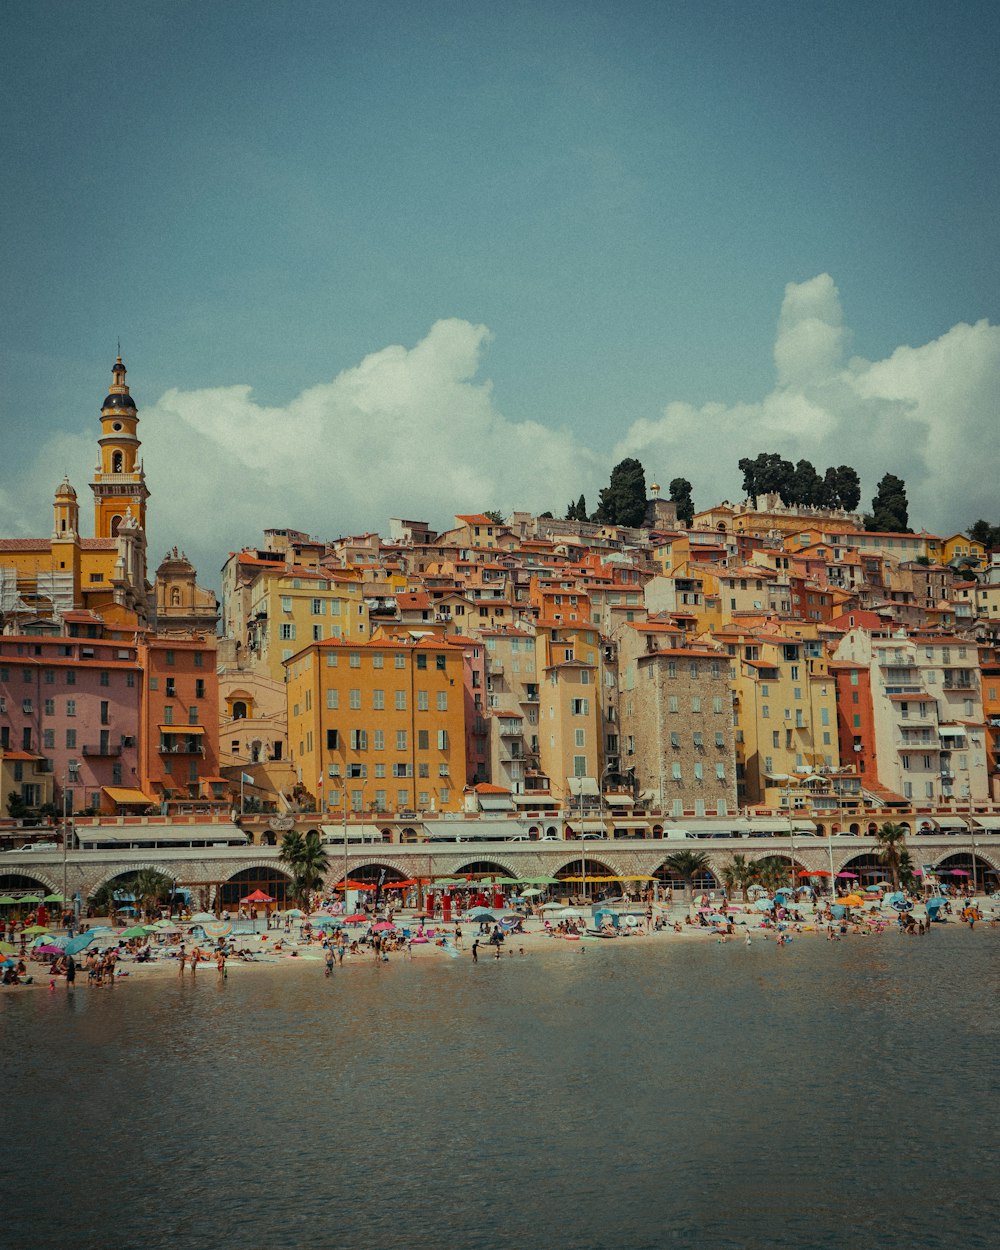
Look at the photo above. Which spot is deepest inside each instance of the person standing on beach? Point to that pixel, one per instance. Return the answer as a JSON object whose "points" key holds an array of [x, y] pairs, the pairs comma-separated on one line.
{"points": [[458, 936], [475, 950]]}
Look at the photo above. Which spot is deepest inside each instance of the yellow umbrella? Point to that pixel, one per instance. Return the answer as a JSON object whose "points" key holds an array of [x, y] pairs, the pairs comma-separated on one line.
{"points": [[852, 900]]}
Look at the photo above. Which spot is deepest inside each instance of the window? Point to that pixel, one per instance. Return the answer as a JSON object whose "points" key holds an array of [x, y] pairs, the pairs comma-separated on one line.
{"points": [[400, 739], [675, 740], [26, 705], [695, 704], [50, 677], [354, 698], [199, 659], [70, 739], [400, 700], [675, 771], [286, 631], [579, 766], [439, 663], [580, 737], [424, 770], [192, 715], [71, 707], [720, 738], [169, 657], [331, 659], [333, 700], [378, 700], [332, 740], [421, 661], [580, 707], [199, 688], [171, 690], [717, 705], [400, 659], [105, 677], [442, 739], [378, 660], [48, 739], [402, 770], [50, 707], [423, 701], [699, 772], [359, 739], [71, 677], [423, 740], [673, 704], [442, 700]]}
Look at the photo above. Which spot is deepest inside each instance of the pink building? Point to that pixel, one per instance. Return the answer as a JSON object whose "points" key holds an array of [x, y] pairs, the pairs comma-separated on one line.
{"points": [[74, 703]]}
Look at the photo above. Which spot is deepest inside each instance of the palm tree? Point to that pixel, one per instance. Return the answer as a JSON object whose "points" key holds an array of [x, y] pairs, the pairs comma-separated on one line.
{"points": [[687, 865], [907, 876], [890, 847], [149, 887], [773, 871], [308, 862], [738, 874]]}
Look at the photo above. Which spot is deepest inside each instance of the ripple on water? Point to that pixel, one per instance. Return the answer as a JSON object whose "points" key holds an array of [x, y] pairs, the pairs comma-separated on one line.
{"points": [[700, 1095]]}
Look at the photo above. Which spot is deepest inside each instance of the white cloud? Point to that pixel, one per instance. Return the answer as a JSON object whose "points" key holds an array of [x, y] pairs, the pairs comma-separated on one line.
{"points": [[413, 432]]}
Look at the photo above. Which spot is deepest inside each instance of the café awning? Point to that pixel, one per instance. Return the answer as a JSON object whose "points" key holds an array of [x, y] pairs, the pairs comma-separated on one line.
{"points": [[185, 730], [124, 796]]}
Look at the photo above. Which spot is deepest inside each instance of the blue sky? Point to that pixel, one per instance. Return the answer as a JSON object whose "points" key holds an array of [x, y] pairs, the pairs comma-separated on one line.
{"points": [[576, 230]]}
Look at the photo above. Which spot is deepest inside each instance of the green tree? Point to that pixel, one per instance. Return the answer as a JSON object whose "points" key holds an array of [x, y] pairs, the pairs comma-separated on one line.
{"points": [[774, 871], [806, 485], [680, 493], [687, 865], [577, 511], [766, 474], [848, 488], [149, 888], [17, 809], [890, 843], [623, 500], [739, 874], [495, 516], [307, 861], [890, 508]]}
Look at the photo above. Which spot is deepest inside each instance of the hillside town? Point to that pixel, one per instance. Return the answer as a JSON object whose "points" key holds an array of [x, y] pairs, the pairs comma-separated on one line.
{"points": [[751, 660]]}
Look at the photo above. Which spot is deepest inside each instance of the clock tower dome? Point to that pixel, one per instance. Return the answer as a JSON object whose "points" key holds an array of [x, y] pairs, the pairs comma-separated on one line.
{"points": [[119, 483]]}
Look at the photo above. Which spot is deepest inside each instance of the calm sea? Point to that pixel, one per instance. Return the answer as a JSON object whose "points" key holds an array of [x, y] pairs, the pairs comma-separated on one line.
{"points": [[824, 1095]]}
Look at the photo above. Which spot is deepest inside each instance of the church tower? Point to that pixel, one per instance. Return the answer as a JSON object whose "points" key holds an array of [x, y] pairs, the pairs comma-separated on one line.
{"points": [[119, 483]]}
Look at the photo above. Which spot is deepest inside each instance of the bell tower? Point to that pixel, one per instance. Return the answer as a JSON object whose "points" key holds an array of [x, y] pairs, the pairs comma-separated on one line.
{"points": [[119, 483]]}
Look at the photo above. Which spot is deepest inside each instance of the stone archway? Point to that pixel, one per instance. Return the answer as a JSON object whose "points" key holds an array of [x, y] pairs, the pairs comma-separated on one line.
{"points": [[267, 878], [960, 868]]}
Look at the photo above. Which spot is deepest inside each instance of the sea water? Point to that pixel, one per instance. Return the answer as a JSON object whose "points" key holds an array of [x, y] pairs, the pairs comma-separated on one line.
{"points": [[677, 1093]]}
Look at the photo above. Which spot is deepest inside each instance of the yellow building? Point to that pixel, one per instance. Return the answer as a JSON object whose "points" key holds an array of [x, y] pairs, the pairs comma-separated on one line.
{"points": [[785, 709], [962, 547], [384, 719], [292, 606], [105, 574], [570, 713]]}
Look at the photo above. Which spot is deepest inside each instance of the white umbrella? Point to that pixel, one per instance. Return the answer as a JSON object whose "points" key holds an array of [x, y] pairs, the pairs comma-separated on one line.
{"points": [[552, 907]]}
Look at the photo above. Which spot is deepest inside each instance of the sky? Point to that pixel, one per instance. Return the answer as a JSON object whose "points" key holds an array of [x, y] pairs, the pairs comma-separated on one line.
{"points": [[389, 259]]}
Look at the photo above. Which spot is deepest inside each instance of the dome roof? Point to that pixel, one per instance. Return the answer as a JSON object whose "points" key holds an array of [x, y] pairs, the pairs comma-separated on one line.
{"points": [[64, 490], [123, 402]]}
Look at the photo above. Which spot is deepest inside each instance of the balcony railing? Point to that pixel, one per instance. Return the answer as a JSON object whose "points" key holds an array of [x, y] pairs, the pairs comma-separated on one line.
{"points": [[182, 748], [105, 750]]}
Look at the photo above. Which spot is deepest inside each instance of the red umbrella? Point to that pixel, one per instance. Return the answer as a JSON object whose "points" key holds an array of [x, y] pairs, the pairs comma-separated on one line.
{"points": [[358, 919], [813, 872], [258, 896]]}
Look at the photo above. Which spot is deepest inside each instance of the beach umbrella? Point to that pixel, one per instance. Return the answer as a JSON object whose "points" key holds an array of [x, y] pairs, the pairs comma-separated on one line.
{"points": [[848, 876], [7, 949], [53, 898], [199, 916], [853, 900], [31, 898], [382, 926], [7, 901], [77, 944], [218, 929], [958, 872], [137, 930], [552, 907], [294, 912], [47, 949], [532, 892], [763, 904], [358, 918], [36, 928], [258, 896]]}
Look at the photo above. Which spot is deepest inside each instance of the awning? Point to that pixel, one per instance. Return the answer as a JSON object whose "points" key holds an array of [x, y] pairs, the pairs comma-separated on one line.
{"points": [[475, 830], [987, 822], [952, 731], [355, 831], [182, 729], [735, 824], [127, 796], [949, 822], [773, 824], [628, 824], [803, 826], [619, 800], [585, 826], [582, 785], [200, 835]]}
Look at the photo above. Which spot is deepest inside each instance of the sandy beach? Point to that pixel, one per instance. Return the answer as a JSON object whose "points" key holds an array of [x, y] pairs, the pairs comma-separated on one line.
{"points": [[277, 949]]}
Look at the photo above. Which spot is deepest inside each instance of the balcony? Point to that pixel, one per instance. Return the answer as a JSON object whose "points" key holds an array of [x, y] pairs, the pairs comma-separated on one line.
{"points": [[181, 748], [104, 751]]}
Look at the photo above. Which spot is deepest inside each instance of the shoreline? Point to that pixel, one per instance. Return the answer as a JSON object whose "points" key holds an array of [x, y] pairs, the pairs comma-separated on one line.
{"points": [[535, 941]]}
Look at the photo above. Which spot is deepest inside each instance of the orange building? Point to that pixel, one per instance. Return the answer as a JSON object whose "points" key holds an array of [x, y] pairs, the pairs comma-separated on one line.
{"points": [[179, 762], [384, 720]]}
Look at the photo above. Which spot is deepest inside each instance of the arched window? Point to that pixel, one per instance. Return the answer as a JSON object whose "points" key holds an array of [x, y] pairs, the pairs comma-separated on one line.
{"points": [[115, 523], [117, 462], [239, 710]]}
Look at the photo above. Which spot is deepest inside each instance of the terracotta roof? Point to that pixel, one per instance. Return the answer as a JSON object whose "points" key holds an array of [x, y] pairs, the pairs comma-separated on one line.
{"points": [[25, 544], [484, 787]]}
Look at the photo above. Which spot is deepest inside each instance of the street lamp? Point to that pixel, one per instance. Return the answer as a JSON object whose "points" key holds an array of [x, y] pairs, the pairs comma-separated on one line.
{"points": [[65, 838]]}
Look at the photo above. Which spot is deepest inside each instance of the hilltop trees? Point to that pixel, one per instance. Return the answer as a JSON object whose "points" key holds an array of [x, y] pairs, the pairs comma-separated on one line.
{"points": [[982, 532], [680, 493], [769, 474], [577, 511], [890, 508], [623, 500]]}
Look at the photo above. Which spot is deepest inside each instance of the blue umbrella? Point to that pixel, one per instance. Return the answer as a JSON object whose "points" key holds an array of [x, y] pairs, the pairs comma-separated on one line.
{"points": [[77, 944], [935, 904], [839, 911], [763, 904], [717, 919]]}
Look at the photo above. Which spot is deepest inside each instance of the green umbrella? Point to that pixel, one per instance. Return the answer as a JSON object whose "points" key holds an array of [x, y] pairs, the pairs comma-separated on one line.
{"points": [[137, 930], [7, 949], [31, 898], [36, 928], [7, 901], [53, 898], [532, 893]]}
